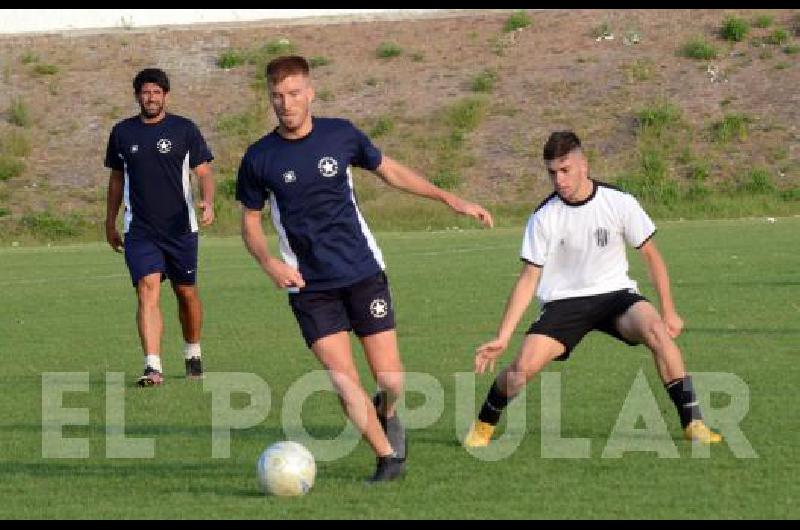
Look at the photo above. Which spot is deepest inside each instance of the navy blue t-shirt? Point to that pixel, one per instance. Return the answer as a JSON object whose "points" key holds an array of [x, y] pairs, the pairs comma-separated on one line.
{"points": [[309, 184], [155, 160]]}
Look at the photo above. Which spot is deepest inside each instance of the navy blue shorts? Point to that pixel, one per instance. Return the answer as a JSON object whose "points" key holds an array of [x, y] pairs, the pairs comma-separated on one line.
{"points": [[570, 319], [175, 258], [364, 307]]}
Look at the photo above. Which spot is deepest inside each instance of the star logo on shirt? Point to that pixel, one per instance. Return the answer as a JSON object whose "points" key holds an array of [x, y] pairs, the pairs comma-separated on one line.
{"points": [[163, 146], [379, 308], [328, 166], [289, 177], [134, 149]]}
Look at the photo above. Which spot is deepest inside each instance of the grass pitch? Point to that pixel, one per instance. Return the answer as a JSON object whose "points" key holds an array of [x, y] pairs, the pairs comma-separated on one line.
{"points": [[71, 309]]}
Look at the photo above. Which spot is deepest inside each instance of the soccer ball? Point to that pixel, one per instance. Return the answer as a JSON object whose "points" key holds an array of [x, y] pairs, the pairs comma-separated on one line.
{"points": [[286, 469]]}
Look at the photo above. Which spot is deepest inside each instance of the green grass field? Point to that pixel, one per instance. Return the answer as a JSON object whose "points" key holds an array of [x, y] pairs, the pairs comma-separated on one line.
{"points": [[71, 309]]}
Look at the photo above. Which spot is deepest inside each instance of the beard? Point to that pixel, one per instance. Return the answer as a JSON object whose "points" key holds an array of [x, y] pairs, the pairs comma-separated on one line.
{"points": [[152, 111]]}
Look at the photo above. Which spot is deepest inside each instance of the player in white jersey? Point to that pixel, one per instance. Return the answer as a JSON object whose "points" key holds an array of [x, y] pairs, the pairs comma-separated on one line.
{"points": [[574, 252]]}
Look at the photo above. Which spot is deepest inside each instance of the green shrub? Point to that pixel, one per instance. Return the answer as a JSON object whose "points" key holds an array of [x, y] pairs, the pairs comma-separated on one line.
{"points": [[466, 114], [484, 81], [656, 118], [48, 226], [317, 61], [601, 31], [731, 126], [278, 47], [263, 55], [758, 182], [19, 113], [45, 69], [28, 57], [734, 28], [446, 179], [10, 167], [650, 182], [698, 49], [792, 194], [777, 37], [697, 191], [231, 59], [517, 20], [383, 125], [763, 21], [15, 144], [387, 50]]}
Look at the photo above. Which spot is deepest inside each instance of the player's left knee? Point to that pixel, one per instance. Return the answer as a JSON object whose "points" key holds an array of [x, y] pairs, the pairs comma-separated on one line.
{"points": [[657, 332], [392, 382]]}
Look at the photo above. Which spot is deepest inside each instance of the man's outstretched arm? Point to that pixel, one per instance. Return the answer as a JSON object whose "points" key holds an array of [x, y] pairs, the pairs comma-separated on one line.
{"points": [[404, 178]]}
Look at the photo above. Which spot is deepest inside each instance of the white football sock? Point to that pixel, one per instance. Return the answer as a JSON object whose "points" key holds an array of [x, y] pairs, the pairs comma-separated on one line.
{"points": [[191, 350], [153, 361]]}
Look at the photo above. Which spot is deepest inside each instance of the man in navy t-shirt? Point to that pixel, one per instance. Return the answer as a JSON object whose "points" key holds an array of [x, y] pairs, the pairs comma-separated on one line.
{"points": [[150, 156], [330, 263]]}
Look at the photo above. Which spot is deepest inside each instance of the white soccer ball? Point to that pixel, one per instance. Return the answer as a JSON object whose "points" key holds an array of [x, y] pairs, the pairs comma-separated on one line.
{"points": [[286, 469]]}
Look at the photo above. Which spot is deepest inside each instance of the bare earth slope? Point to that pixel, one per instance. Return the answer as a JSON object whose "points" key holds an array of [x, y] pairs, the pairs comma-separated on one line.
{"points": [[552, 74]]}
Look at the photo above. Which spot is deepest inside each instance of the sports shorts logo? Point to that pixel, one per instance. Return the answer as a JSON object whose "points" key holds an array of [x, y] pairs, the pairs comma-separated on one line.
{"points": [[328, 166], [163, 146], [379, 308], [601, 237], [289, 177]]}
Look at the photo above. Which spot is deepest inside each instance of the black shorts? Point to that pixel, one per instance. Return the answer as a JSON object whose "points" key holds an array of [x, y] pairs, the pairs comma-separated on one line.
{"points": [[570, 319], [364, 307]]}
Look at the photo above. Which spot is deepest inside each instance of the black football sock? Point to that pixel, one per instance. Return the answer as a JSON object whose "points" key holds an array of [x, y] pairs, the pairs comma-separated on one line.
{"points": [[682, 393], [494, 405]]}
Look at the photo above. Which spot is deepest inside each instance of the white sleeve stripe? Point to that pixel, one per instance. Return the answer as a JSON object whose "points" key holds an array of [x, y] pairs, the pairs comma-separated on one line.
{"points": [[371, 243], [126, 197], [283, 241], [187, 193]]}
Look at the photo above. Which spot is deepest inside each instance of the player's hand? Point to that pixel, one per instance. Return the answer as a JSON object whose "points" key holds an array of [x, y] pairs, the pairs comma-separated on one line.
{"points": [[207, 215], [114, 239], [473, 210], [487, 354], [674, 324], [283, 275]]}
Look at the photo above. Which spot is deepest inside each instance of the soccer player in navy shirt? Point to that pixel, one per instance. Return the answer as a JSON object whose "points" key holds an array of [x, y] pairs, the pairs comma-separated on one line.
{"points": [[331, 264], [150, 156]]}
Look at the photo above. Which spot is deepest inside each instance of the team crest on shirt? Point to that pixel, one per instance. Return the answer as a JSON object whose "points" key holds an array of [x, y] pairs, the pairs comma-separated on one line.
{"points": [[134, 149], [601, 237], [163, 146], [328, 166], [379, 308], [289, 177]]}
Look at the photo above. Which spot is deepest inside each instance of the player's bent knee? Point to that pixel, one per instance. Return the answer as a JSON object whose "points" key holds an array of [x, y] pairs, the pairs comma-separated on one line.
{"points": [[519, 373], [656, 333], [393, 382]]}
